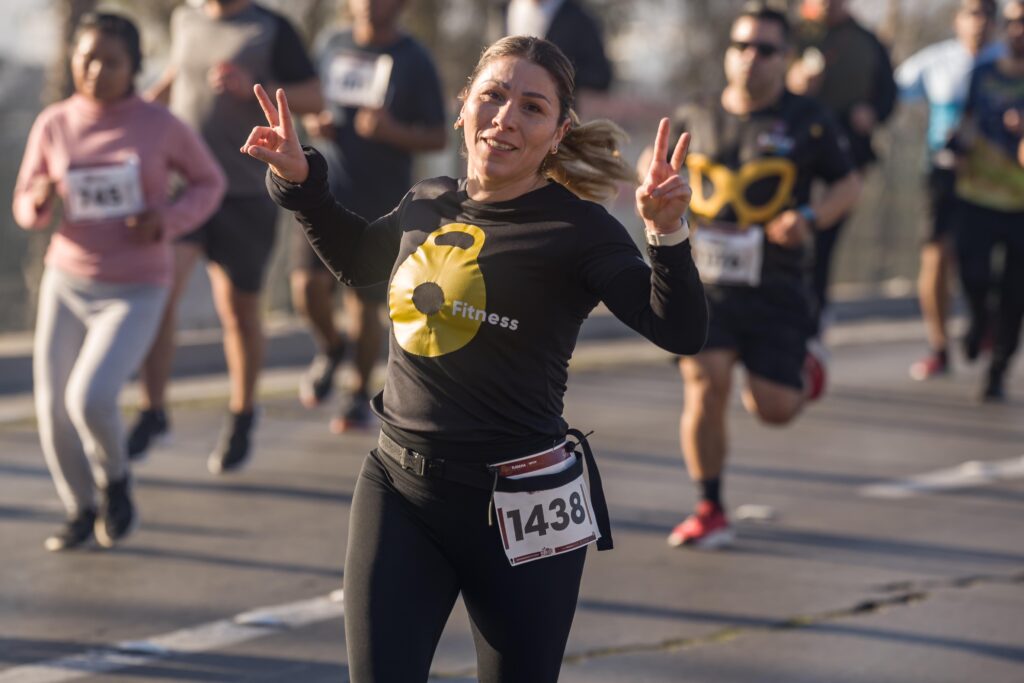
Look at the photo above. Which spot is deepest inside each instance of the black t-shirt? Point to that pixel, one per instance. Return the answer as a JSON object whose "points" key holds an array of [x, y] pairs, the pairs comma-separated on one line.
{"points": [[372, 176], [487, 300], [747, 170]]}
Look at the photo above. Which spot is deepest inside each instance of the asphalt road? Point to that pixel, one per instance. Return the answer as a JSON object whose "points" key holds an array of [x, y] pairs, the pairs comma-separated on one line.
{"points": [[230, 578]]}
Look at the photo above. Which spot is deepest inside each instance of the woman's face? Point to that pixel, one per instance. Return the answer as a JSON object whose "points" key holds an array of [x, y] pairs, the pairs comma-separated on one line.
{"points": [[101, 67], [511, 120]]}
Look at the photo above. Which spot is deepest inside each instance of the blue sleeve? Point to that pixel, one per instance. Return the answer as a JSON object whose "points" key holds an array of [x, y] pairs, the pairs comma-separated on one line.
{"points": [[910, 79]]}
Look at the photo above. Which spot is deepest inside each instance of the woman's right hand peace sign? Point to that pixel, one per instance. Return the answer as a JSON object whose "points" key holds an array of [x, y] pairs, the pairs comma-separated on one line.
{"points": [[663, 196], [277, 145]]}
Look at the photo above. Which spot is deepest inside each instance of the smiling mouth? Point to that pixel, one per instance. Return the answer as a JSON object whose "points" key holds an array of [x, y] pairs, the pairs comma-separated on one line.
{"points": [[500, 146]]}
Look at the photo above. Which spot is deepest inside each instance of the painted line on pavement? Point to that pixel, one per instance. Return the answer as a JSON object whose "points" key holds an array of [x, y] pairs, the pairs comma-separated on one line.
{"points": [[214, 635], [969, 474]]}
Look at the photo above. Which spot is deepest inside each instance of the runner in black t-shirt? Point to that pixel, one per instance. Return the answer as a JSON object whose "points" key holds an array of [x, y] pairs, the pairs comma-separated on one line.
{"points": [[490, 278], [753, 158], [219, 49], [384, 104]]}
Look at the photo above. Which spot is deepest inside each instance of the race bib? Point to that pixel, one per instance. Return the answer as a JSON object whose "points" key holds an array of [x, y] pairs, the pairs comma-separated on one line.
{"points": [[357, 79], [539, 524], [104, 192], [726, 255]]}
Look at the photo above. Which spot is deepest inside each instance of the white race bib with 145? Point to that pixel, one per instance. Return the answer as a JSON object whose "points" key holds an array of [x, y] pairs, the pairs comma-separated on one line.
{"points": [[539, 524], [728, 255], [98, 193]]}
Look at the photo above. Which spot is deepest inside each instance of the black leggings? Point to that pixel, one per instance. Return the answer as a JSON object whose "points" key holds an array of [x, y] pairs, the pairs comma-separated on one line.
{"points": [[413, 545], [979, 231]]}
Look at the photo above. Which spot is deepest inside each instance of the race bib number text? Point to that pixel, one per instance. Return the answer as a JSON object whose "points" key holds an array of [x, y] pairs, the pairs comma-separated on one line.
{"points": [[359, 80], [540, 524], [104, 192], [728, 256]]}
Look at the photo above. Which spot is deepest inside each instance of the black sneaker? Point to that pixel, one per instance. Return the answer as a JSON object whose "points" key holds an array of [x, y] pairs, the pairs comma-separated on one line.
{"points": [[317, 382], [356, 415], [117, 516], [76, 531], [234, 446], [151, 428], [994, 390]]}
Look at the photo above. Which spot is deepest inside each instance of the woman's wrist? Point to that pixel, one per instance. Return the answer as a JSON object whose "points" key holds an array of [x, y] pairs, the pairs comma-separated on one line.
{"points": [[661, 237]]}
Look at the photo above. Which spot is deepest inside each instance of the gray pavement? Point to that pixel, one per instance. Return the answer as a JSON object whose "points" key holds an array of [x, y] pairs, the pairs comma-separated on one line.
{"points": [[835, 587]]}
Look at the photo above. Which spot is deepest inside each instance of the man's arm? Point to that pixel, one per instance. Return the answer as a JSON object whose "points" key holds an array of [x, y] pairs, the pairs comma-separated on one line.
{"points": [[378, 124], [837, 201], [160, 91], [304, 97], [885, 91]]}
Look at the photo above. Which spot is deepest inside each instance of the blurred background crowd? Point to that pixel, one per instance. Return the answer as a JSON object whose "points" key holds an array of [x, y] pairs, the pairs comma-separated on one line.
{"points": [[879, 254]]}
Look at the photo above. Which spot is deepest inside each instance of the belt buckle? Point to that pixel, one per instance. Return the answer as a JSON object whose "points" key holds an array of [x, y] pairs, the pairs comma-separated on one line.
{"points": [[413, 462]]}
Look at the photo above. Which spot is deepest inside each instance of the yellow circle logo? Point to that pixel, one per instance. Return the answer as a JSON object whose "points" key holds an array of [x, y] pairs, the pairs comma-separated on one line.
{"points": [[423, 292]]}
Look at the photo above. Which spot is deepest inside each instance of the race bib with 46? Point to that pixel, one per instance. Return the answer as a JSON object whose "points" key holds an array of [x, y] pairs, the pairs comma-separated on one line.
{"points": [[99, 193], [726, 255], [539, 524]]}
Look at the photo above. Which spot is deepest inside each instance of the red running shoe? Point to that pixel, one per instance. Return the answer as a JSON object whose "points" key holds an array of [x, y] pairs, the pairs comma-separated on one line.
{"points": [[932, 365], [815, 370], [706, 528]]}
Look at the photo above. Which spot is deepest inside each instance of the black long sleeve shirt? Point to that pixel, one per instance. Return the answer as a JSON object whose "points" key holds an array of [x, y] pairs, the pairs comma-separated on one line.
{"points": [[486, 302]]}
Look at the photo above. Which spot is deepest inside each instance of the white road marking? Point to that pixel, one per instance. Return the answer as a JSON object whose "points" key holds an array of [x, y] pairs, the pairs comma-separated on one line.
{"points": [[211, 636], [969, 474]]}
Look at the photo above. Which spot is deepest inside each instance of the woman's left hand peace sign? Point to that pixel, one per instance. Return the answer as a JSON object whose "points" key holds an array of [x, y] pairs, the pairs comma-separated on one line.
{"points": [[277, 145], [663, 195]]}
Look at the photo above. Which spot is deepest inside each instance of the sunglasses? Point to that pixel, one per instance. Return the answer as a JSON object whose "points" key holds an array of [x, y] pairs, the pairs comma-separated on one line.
{"points": [[762, 49]]}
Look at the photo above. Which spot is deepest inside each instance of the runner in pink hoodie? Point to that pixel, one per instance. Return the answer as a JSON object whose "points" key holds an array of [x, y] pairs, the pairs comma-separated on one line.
{"points": [[125, 178]]}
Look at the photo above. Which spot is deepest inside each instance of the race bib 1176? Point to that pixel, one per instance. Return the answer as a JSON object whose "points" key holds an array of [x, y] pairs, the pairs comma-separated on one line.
{"points": [[729, 256]]}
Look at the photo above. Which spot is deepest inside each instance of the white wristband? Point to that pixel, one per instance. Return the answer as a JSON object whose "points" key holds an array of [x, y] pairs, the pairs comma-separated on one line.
{"points": [[669, 239]]}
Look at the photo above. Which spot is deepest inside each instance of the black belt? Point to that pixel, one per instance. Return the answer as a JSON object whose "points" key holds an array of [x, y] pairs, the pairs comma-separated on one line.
{"points": [[470, 474], [484, 477]]}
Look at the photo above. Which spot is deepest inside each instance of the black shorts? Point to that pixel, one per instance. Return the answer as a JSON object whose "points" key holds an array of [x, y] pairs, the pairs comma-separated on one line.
{"points": [[767, 326], [302, 257], [239, 238], [940, 190]]}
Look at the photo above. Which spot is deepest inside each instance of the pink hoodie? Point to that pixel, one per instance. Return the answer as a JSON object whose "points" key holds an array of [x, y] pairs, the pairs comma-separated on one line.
{"points": [[110, 161]]}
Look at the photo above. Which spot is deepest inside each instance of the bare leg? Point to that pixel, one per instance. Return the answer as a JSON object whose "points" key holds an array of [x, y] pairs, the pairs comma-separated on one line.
{"points": [[707, 378], [313, 299], [365, 328], [241, 319], [773, 403], [933, 291], [155, 372]]}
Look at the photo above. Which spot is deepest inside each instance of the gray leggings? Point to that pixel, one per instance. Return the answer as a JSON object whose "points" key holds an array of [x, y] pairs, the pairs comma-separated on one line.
{"points": [[90, 337]]}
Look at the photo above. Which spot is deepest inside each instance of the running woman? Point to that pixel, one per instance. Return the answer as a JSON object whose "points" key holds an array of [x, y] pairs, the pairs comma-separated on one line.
{"points": [[755, 154], [939, 75], [107, 156], [990, 187], [490, 277]]}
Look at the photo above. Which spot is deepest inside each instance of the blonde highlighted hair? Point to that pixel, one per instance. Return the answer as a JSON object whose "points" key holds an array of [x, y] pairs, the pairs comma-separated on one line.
{"points": [[587, 161]]}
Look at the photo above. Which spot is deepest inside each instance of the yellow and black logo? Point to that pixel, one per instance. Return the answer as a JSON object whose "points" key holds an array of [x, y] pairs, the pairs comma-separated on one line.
{"points": [[442, 271], [757, 192]]}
